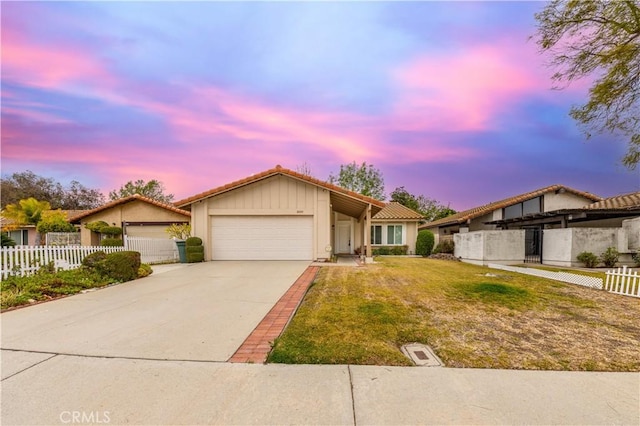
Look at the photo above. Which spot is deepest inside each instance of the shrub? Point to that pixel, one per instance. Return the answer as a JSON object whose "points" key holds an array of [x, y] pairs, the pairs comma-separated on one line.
{"points": [[90, 261], [424, 242], [195, 254], [96, 226], [194, 241], [589, 259], [381, 251], [179, 231], [120, 266], [7, 241], [610, 257], [399, 250], [636, 257], [144, 270], [111, 230], [112, 242], [445, 246]]}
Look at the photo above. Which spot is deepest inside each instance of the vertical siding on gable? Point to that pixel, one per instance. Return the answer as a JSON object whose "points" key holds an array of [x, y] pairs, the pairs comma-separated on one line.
{"points": [[277, 193]]}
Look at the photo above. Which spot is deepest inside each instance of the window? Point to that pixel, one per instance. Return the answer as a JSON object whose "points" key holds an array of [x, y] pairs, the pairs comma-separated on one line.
{"points": [[21, 237], [531, 206], [376, 234], [394, 234]]}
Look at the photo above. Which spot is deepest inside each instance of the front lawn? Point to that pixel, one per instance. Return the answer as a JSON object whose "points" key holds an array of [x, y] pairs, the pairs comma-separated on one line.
{"points": [[469, 318]]}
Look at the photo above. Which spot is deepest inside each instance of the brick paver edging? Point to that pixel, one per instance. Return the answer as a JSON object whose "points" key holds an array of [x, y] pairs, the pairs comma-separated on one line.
{"points": [[258, 345]]}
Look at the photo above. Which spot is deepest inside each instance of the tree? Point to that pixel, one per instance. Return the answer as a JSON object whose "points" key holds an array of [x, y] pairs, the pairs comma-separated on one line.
{"points": [[600, 39], [20, 186], [79, 197], [26, 212], [153, 189], [364, 179], [54, 221], [428, 207]]}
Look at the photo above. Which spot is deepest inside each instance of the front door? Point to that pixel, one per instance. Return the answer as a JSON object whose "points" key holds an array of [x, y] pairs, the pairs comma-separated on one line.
{"points": [[344, 238]]}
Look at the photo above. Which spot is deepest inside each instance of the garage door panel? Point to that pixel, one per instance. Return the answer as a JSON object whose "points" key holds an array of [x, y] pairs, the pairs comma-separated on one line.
{"points": [[262, 237]]}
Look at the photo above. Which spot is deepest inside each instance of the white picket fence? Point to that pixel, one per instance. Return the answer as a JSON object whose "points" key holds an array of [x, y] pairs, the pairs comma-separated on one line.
{"points": [[566, 277], [153, 250], [25, 260], [623, 281]]}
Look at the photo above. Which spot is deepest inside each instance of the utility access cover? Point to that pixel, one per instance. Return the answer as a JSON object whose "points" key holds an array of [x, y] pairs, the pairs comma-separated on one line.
{"points": [[421, 355]]}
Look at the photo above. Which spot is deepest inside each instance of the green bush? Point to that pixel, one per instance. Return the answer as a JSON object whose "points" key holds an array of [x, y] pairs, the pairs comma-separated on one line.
{"points": [[111, 231], [589, 259], [636, 257], [610, 257], [144, 270], [112, 242], [194, 254], [7, 241], [96, 226], [121, 266], [381, 251], [91, 260], [193, 241], [445, 246], [399, 250], [424, 242]]}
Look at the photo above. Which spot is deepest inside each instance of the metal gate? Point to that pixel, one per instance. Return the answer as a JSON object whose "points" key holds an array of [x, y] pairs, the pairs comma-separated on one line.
{"points": [[533, 245]]}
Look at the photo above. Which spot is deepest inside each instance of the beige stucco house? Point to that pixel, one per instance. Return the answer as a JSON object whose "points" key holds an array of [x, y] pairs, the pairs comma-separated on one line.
{"points": [[138, 216], [281, 214]]}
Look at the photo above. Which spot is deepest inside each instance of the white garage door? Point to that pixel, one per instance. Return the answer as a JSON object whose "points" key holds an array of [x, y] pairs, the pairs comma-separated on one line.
{"points": [[262, 237]]}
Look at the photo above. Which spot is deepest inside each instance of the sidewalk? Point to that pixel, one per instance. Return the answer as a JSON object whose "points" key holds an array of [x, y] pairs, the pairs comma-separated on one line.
{"points": [[146, 392]]}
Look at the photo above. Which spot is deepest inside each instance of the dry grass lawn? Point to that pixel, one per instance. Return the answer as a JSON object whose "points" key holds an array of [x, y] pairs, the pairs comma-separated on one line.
{"points": [[470, 319]]}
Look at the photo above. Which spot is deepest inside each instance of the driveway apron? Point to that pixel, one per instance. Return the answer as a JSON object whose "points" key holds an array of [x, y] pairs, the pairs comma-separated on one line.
{"points": [[200, 312]]}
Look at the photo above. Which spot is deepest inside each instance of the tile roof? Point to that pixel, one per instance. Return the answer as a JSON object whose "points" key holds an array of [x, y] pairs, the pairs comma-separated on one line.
{"points": [[629, 201], [462, 217], [127, 200], [278, 170], [395, 210]]}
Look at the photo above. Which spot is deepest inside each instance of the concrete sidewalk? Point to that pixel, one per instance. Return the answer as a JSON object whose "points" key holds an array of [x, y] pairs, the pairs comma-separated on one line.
{"points": [[136, 391]]}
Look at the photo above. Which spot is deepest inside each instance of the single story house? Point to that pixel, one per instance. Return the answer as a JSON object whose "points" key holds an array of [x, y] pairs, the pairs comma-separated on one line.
{"points": [[551, 225], [499, 214], [280, 214], [138, 216]]}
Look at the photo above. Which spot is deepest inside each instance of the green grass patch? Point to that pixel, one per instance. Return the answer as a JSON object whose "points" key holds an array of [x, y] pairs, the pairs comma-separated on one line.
{"points": [[470, 319]]}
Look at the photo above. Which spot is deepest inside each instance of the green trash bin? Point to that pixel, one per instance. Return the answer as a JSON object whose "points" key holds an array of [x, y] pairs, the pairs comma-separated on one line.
{"points": [[182, 252]]}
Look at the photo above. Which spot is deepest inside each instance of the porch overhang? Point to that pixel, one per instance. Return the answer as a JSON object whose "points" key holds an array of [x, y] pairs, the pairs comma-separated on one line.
{"points": [[566, 216]]}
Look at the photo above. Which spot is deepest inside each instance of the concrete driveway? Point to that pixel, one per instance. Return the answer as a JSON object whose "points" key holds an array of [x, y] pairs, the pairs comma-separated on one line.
{"points": [[198, 312]]}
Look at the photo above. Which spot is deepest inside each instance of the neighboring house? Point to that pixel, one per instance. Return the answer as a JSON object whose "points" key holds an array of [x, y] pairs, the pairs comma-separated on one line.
{"points": [[551, 225], [534, 205], [281, 214], [27, 235], [137, 215]]}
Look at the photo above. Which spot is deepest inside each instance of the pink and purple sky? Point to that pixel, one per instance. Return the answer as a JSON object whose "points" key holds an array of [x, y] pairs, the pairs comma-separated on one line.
{"points": [[448, 99]]}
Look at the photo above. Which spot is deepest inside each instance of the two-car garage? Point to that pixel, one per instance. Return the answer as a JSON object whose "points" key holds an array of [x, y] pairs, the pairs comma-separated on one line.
{"points": [[262, 237]]}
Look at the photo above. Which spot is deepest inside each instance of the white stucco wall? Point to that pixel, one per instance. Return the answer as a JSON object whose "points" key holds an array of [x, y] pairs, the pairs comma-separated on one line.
{"points": [[566, 200], [632, 229], [482, 247], [560, 247]]}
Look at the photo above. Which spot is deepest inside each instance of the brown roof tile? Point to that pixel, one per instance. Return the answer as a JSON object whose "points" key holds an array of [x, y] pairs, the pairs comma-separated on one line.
{"points": [[627, 201], [126, 200], [278, 170], [462, 217], [396, 211]]}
